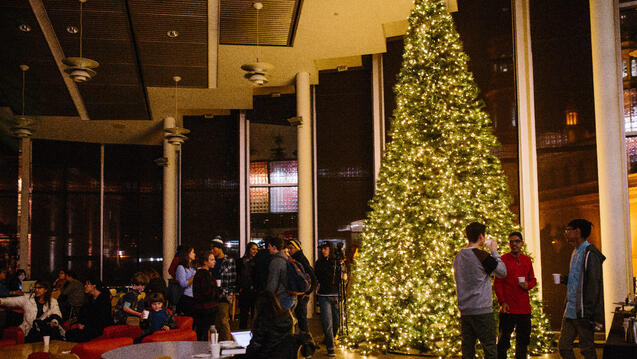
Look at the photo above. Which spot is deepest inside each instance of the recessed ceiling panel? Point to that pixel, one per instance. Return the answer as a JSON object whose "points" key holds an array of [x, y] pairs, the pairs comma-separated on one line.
{"points": [[277, 22]]}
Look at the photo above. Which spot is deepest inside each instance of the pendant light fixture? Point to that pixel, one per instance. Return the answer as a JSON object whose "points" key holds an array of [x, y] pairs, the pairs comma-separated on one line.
{"points": [[258, 72], [176, 135], [22, 122], [80, 68]]}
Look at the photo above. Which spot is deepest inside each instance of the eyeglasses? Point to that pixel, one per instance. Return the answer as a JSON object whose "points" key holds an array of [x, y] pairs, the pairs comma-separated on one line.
{"points": [[514, 241]]}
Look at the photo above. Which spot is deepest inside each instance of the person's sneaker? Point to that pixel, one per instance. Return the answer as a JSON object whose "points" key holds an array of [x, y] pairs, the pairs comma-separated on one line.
{"points": [[330, 353]]}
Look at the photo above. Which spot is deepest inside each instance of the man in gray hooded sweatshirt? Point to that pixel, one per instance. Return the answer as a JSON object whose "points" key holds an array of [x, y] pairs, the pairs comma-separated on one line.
{"points": [[472, 269]]}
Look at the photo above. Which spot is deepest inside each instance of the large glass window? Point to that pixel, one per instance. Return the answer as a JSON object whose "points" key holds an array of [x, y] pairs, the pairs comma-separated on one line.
{"points": [[8, 199], [210, 181], [565, 130]]}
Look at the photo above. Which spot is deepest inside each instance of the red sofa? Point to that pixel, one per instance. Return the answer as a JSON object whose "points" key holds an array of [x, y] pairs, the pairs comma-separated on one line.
{"points": [[96, 347], [12, 336], [130, 331]]}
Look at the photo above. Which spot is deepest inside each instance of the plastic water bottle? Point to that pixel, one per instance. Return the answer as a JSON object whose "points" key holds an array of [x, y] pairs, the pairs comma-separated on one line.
{"points": [[214, 336]]}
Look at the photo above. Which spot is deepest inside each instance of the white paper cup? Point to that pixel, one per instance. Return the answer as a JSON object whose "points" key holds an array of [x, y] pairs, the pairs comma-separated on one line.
{"points": [[215, 350], [219, 283], [521, 279], [47, 340], [488, 242], [145, 314], [556, 278]]}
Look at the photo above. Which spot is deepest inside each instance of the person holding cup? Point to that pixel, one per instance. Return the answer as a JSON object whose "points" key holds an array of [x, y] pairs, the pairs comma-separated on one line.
{"points": [[513, 295], [584, 295], [472, 269]]}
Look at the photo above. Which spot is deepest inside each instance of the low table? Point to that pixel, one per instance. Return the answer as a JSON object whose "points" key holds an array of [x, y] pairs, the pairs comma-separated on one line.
{"points": [[175, 350], [23, 350]]}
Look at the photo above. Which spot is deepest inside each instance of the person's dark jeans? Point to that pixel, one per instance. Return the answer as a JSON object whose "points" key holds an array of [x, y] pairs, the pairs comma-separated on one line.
{"points": [[572, 328], [300, 312], [185, 305], [522, 325], [203, 319], [330, 318], [481, 327], [246, 307]]}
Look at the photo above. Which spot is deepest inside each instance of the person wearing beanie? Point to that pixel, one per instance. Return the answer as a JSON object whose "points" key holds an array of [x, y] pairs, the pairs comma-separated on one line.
{"points": [[225, 271], [300, 312]]}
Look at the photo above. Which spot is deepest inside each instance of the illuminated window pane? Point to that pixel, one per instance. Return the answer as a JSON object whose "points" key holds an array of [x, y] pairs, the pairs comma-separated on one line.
{"points": [[258, 173], [284, 200], [633, 67], [259, 200], [631, 151], [624, 68], [630, 110], [283, 172]]}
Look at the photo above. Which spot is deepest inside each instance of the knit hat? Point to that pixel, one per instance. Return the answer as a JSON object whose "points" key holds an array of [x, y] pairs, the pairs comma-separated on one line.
{"points": [[295, 243], [217, 242]]}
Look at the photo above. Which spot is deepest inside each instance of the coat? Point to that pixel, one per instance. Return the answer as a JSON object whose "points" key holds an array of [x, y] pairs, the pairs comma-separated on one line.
{"points": [[27, 303]]}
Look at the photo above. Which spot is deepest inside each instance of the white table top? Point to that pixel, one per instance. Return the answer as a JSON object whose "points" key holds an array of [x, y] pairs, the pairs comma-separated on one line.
{"points": [[175, 350]]}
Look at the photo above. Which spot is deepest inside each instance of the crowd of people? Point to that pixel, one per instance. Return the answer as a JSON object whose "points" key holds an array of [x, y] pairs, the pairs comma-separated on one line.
{"points": [[514, 278], [204, 284]]}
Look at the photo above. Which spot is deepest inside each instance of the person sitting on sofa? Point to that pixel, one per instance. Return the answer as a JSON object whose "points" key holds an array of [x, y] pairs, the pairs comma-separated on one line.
{"points": [[157, 318], [94, 315], [42, 315]]}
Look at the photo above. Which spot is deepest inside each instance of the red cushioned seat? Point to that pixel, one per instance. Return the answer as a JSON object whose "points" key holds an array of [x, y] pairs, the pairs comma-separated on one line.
{"points": [[39, 355], [13, 334], [183, 322], [121, 330], [173, 335], [95, 348], [7, 342]]}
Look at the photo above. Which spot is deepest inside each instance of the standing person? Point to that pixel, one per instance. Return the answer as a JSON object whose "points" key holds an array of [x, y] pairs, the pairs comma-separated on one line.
{"points": [[278, 274], [328, 277], [205, 293], [300, 312], [41, 313], [271, 330], [185, 275], [174, 290], [513, 295], [71, 297], [225, 271], [261, 265], [584, 292], [95, 314], [247, 292], [472, 269]]}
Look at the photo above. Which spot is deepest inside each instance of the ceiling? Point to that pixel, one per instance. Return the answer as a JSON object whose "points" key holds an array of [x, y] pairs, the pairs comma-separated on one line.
{"points": [[138, 60]]}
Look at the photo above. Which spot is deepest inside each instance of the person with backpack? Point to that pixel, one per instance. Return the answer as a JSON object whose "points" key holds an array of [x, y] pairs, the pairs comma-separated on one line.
{"points": [[328, 276], [300, 312], [278, 274]]}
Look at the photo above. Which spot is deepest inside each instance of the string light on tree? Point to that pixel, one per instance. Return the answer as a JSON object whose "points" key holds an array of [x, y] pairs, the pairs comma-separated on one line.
{"points": [[438, 174]]}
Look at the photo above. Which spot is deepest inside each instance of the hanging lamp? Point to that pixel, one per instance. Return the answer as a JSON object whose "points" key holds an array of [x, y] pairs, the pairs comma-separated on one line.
{"points": [[22, 122], [258, 72], [81, 69]]}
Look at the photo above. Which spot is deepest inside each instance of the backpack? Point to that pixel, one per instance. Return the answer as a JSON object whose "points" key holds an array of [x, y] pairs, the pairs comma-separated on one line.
{"points": [[299, 281]]}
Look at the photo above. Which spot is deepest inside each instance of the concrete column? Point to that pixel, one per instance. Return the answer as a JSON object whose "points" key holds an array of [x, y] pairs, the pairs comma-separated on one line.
{"points": [[378, 112], [305, 166], [173, 138], [22, 130], [611, 154], [529, 197]]}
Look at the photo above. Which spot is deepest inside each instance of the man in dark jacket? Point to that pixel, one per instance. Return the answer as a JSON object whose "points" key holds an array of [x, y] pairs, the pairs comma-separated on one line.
{"points": [[328, 277], [95, 314], [584, 294], [278, 274], [300, 312]]}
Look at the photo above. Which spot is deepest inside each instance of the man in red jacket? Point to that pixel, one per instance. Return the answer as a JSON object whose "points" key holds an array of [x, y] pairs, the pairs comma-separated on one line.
{"points": [[513, 295]]}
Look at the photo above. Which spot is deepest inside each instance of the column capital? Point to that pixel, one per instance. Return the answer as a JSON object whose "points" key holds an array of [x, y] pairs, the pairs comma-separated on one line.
{"points": [[22, 126], [176, 135]]}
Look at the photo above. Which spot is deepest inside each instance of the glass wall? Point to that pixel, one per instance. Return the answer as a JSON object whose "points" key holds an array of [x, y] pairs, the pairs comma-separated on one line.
{"points": [[565, 134], [273, 182], [344, 150], [66, 209], [8, 199], [210, 181]]}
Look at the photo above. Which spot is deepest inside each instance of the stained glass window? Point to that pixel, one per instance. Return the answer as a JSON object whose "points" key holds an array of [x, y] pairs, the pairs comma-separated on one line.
{"points": [[283, 172], [284, 199], [258, 173], [259, 200]]}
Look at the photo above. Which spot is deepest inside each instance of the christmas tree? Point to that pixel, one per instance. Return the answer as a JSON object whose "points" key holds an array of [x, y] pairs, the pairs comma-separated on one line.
{"points": [[439, 174]]}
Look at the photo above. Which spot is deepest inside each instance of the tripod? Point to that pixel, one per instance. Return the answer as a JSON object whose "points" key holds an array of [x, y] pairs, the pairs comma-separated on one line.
{"points": [[341, 274]]}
